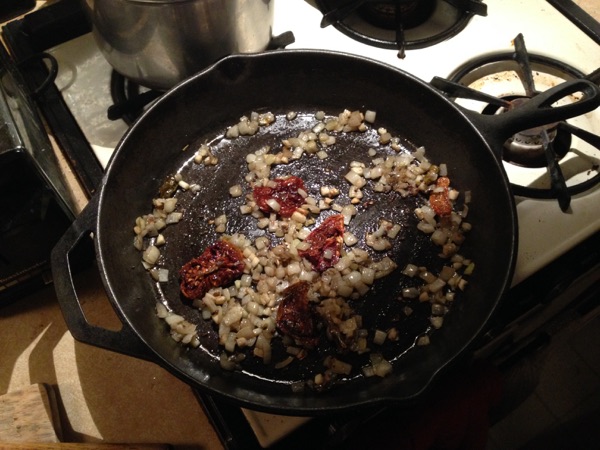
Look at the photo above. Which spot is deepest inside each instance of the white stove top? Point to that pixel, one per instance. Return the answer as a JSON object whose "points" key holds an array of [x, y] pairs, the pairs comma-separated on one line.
{"points": [[537, 20], [545, 232]]}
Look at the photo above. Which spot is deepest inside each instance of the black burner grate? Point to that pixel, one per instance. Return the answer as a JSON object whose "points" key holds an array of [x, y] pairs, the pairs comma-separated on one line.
{"points": [[553, 141], [400, 24]]}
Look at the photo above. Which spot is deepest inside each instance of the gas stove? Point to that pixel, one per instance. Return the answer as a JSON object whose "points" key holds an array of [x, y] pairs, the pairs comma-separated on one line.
{"points": [[469, 42], [84, 80]]}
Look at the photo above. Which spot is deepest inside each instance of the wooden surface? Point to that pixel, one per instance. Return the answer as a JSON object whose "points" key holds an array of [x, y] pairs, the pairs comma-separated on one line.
{"points": [[29, 421], [27, 415], [103, 397], [75, 446]]}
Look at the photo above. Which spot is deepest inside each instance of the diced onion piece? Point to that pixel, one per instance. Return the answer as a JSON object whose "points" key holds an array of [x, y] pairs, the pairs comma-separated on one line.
{"points": [[273, 204], [469, 269], [161, 310], [350, 239], [423, 340], [355, 179], [411, 292], [235, 190], [174, 217], [339, 367], [370, 116], [379, 337], [436, 285], [151, 254], [436, 321], [410, 270]]}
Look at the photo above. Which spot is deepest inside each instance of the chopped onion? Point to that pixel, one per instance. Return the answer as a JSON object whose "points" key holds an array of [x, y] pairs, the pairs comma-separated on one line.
{"points": [[273, 204], [151, 254], [436, 321], [411, 292], [339, 367], [370, 116], [410, 270], [355, 179], [379, 337], [235, 190], [245, 312], [350, 239]]}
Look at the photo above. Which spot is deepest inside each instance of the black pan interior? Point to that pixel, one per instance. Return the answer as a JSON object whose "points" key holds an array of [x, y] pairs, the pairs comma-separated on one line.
{"points": [[303, 81]]}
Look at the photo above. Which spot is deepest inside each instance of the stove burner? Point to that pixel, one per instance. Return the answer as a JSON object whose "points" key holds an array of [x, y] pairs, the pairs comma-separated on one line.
{"points": [[400, 24], [386, 15], [498, 80], [526, 148]]}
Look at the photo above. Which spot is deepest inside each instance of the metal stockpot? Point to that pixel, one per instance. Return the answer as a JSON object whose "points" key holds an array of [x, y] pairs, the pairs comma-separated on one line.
{"points": [[158, 43]]}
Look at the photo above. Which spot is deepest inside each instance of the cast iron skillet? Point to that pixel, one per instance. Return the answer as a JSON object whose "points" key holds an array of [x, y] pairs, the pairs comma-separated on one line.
{"points": [[304, 81]]}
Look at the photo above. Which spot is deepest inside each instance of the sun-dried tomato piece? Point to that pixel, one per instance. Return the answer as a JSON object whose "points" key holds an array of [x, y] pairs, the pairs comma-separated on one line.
{"points": [[218, 265], [325, 243], [296, 317], [285, 193], [439, 199]]}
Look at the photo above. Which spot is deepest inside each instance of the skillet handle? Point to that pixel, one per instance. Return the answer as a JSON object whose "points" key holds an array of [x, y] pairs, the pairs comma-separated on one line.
{"points": [[538, 110], [124, 340]]}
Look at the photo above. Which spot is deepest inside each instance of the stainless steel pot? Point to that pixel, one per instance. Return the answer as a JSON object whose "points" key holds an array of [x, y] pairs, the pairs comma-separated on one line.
{"points": [[158, 43]]}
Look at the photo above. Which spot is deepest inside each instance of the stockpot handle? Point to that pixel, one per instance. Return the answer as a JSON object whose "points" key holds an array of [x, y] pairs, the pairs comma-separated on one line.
{"points": [[538, 110], [124, 340]]}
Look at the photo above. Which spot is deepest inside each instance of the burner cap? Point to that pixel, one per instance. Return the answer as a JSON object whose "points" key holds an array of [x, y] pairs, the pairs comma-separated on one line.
{"points": [[526, 148]]}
